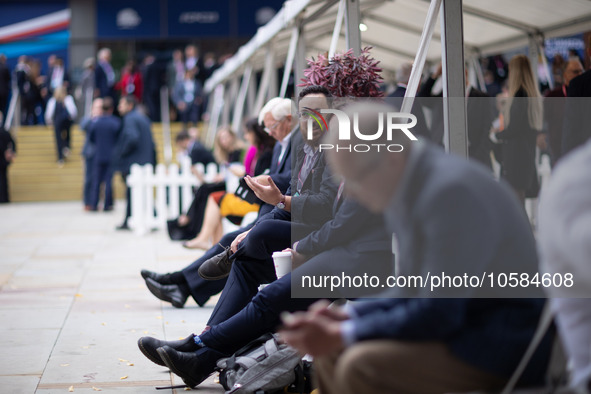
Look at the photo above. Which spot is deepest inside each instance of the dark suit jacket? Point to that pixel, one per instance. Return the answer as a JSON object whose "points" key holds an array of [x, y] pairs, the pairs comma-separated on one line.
{"points": [[280, 171], [101, 82], [577, 116], [313, 206], [200, 154], [554, 102], [351, 222], [479, 110], [4, 81], [103, 133], [6, 142], [519, 145], [454, 217], [135, 144]]}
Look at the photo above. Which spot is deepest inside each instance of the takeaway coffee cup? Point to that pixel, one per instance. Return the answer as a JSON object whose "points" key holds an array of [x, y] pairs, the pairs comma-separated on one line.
{"points": [[282, 261]]}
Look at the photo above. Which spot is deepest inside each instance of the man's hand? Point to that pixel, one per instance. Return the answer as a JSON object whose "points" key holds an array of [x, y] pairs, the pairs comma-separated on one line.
{"points": [[269, 194], [541, 141], [261, 179], [237, 240], [310, 334], [297, 258]]}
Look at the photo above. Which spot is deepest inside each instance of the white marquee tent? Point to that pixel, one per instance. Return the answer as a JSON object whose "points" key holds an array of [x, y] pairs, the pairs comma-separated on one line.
{"points": [[418, 31]]}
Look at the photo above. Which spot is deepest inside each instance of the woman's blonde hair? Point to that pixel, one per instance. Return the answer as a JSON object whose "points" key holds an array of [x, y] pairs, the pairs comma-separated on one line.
{"points": [[521, 76], [220, 153]]}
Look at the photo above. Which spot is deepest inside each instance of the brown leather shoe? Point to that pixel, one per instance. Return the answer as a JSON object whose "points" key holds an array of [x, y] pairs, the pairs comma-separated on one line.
{"points": [[217, 267]]}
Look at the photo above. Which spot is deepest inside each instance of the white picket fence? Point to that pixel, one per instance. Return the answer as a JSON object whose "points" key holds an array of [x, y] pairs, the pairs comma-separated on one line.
{"points": [[157, 196]]}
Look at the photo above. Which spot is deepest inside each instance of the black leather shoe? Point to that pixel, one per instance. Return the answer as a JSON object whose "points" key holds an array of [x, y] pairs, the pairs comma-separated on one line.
{"points": [[123, 227], [217, 267], [185, 365], [169, 293], [149, 346], [160, 278]]}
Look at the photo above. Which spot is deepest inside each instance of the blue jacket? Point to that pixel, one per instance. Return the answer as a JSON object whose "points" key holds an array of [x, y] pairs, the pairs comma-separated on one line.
{"points": [[451, 215], [103, 133], [135, 144]]}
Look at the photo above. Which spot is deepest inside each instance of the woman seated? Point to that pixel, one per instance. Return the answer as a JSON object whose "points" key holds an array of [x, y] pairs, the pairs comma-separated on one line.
{"points": [[227, 205]]}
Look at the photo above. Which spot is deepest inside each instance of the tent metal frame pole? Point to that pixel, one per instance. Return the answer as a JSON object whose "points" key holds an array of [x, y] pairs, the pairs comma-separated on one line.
{"points": [[500, 19], [352, 20], [420, 57], [216, 111], [251, 95], [338, 25], [454, 86], [293, 43], [241, 99], [165, 117], [229, 102], [300, 61], [265, 78]]}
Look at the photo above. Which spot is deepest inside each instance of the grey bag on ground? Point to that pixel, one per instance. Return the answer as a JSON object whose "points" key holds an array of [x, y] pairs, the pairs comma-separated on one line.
{"points": [[263, 365]]}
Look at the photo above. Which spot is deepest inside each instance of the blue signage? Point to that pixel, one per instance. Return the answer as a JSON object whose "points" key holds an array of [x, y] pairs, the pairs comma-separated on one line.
{"points": [[254, 14], [128, 18], [194, 19]]}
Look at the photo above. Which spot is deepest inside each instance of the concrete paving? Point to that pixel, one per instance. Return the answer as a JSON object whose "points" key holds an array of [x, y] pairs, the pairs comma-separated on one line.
{"points": [[73, 303]]}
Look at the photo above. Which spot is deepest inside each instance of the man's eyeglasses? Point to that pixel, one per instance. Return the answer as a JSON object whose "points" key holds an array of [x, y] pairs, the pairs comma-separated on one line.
{"points": [[273, 127]]}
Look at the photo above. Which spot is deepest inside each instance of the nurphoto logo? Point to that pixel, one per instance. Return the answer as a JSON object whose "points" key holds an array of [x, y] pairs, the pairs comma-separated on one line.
{"points": [[388, 122]]}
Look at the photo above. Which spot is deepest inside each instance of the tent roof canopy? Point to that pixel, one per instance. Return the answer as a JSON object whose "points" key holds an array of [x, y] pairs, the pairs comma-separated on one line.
{"points": [[394, 29]]}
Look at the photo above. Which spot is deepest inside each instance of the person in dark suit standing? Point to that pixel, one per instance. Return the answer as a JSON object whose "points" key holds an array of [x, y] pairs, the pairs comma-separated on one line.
{"points": [[135, 145], [103, 134], [7, 154], [89, 150], [554, 102], [523, 122], [104, 76], [153, 81], [5, 87], [577, 116], [448, 215], [175, 287], [60, 112]]}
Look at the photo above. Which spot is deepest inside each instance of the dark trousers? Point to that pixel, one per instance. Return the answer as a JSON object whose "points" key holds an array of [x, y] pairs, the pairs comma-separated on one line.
{"points": [[4, 105], [62, 137], [201, 289], [196, 211], [87, 192], [192, 113], [253, 265], [261, 315], [127, 197], [4, 197], [102, 174]]}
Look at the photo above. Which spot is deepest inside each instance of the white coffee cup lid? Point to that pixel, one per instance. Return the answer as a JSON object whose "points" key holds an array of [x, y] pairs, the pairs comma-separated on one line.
{"points": [[281, 254]]}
